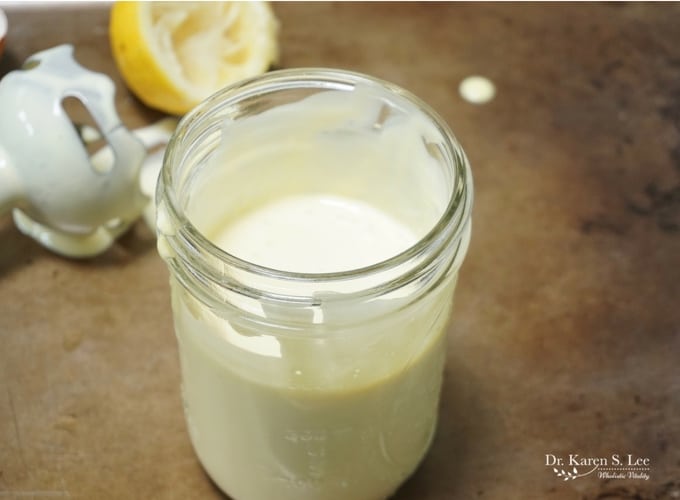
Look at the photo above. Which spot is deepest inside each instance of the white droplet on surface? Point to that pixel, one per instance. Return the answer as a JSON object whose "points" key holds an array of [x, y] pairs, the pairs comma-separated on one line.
{"points": [[477, 89], [89, 134]]}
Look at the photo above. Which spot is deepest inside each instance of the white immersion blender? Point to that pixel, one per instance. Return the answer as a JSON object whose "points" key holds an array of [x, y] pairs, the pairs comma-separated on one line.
{"points": [[70, 201]]}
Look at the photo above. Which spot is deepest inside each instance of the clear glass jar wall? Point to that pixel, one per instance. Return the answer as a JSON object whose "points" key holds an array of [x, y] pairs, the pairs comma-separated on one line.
{"points": [[302, 385]]}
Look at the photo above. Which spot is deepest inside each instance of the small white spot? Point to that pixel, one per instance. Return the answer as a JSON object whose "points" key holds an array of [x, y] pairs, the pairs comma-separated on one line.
{"points": [[477, 89], [89, 134], [115, 223]]}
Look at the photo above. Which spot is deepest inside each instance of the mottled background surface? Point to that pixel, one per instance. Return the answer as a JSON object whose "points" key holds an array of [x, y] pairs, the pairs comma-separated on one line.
{"points": [[566, 334]]}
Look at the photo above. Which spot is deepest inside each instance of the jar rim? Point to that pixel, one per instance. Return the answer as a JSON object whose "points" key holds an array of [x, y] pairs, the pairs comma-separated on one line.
{"points": [[452, 223]]}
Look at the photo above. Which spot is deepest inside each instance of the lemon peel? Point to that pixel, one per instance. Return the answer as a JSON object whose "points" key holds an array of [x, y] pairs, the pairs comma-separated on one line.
{"points": [[173, 55]]}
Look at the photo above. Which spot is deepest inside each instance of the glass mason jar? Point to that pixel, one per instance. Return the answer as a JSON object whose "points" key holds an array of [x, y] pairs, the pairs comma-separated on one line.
{"points": [[312, 385]]}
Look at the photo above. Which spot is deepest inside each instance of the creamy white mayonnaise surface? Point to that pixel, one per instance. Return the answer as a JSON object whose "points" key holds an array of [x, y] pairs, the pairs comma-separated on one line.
{"points": [[324, 406], [316, 234]]}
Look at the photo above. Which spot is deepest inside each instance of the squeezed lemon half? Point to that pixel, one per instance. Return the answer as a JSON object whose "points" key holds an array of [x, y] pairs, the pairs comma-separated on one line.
{"points": [[172, 55]]}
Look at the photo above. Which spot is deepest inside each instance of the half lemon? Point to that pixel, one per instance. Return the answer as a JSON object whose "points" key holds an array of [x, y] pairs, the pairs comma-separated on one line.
{"points": [[172, 55]]}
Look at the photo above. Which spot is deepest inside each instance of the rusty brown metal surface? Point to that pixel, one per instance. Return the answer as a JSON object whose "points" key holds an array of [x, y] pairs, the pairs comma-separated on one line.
{"points": [[566, 335]]}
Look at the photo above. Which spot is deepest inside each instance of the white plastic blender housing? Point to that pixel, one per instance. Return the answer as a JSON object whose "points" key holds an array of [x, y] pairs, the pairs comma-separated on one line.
{"points": [[70, 202]]}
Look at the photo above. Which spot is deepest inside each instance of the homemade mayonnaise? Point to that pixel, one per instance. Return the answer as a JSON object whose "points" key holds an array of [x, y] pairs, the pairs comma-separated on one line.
{"points": [[345, 420], [333, 397]]}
